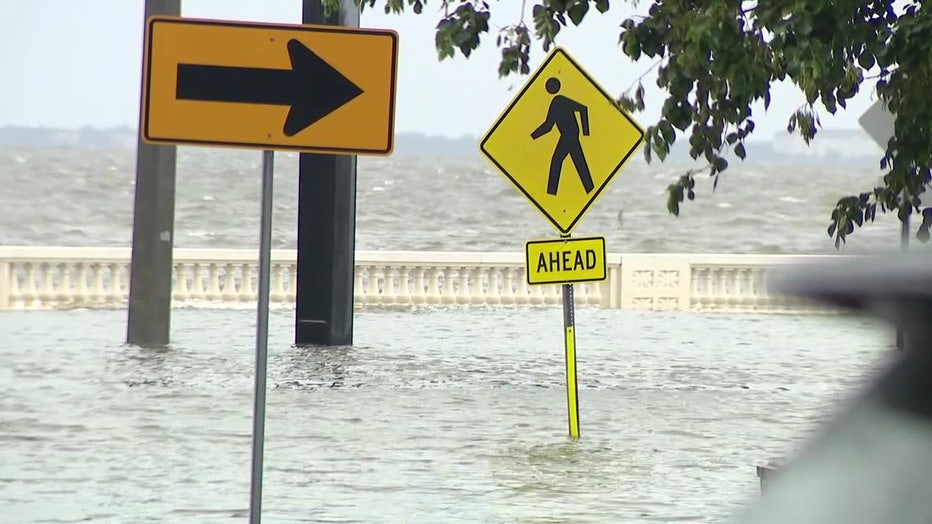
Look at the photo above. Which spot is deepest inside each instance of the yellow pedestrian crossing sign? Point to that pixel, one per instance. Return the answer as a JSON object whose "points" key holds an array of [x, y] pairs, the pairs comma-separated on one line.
{"points": [[561, 140]]}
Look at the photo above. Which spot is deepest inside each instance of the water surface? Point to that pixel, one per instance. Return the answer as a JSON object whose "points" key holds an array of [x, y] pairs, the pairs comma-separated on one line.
{"points": [[433, 415]]}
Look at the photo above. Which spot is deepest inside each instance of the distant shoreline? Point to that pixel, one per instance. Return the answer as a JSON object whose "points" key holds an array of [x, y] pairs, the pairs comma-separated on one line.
{"points": [[830, 147]]}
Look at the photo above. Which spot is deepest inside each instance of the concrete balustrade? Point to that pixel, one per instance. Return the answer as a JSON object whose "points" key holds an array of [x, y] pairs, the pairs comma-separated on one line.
{"points": [[74, 277]]}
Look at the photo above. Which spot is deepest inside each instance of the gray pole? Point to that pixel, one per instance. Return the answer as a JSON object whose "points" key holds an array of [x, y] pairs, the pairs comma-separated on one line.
{"points": [[904, 245], [904, 235], [326, 227], [150, 279], [262, 338]]}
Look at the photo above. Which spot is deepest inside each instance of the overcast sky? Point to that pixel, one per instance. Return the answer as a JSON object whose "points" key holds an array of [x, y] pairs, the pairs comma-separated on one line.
{"points": [[73, 63]]}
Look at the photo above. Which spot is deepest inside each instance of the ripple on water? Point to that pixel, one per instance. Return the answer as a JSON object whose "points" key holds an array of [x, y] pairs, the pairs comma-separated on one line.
{"points": [[429, 203], [434, 414]]}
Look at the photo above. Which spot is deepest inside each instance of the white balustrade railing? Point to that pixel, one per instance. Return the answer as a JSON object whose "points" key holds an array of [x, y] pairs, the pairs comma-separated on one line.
{"points": [[74, 277]]}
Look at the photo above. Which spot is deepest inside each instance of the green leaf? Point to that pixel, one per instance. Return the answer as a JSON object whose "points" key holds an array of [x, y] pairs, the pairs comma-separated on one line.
{"points": [[639, 95], [578, 11], [632, 48], [667, 129], [720, 164], [626, 103], [674, 198], [828, 100], [923, 234]]}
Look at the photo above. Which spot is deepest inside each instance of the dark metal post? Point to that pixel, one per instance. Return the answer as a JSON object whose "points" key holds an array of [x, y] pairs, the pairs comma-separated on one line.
{"points": [[326, 227], [904, 245], [150, 281]]}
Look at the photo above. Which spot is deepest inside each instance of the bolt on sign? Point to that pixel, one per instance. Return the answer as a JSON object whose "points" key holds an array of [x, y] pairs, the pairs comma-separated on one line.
{"points": [[562, 140]]}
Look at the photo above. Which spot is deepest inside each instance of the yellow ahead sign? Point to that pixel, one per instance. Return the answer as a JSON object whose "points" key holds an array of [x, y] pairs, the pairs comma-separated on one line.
{"points": [[561, 140], [565, 260], [269, 86]]}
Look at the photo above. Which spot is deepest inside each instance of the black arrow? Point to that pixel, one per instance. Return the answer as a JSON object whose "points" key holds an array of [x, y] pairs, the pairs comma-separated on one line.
{"points": [[312, 87]]}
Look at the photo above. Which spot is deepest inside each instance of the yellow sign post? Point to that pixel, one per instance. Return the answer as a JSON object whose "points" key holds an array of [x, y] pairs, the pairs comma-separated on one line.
{"points": [[560, 142], [269, 86], [569, 348], [565, 260]]}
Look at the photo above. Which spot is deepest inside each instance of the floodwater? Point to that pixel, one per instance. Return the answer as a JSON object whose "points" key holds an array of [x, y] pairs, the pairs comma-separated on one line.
{"points": [[434, 415]]}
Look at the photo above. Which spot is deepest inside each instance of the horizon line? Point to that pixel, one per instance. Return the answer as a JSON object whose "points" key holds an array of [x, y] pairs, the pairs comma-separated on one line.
{"points": [[464, 136]]}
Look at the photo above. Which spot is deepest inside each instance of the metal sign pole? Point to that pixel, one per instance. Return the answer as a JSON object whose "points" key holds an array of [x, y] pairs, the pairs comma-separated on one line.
{"points": [[904, 245], [569, 341], [904, 234], [880, 124], [262, 336]]}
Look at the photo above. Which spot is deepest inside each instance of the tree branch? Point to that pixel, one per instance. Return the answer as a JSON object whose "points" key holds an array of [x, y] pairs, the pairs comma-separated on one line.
{"points": [[645, 73]]}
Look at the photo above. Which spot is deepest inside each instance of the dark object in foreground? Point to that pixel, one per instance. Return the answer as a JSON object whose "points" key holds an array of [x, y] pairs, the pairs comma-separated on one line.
{"points": [[765, 472], [872, 461]]}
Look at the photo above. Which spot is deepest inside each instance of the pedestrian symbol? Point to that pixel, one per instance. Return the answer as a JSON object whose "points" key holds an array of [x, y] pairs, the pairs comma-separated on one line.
{"points": [[562, 114], [561, 140]]}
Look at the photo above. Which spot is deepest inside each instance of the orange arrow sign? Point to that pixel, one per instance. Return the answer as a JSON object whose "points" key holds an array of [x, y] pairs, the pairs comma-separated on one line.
{"points": [[269, 86]]}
